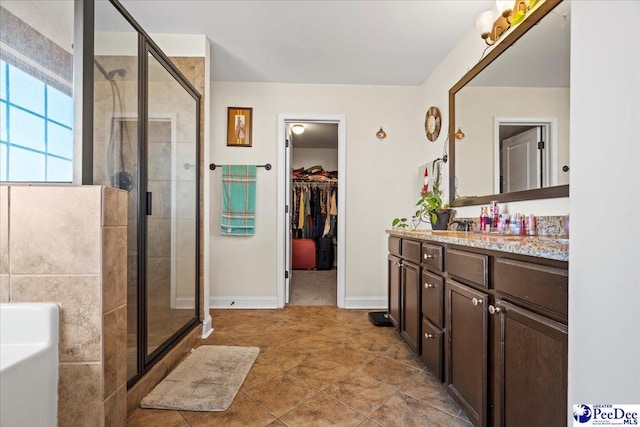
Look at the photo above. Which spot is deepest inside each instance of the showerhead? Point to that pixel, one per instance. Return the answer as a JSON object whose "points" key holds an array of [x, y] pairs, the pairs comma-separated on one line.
{"points": [[117, 72]]}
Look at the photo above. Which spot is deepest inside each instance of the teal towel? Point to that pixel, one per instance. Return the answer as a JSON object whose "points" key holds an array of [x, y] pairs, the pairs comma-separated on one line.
{"points": [[238, 200]]}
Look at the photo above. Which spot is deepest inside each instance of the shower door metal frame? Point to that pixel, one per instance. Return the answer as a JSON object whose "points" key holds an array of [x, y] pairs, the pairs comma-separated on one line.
{"points": [[84, 16]]}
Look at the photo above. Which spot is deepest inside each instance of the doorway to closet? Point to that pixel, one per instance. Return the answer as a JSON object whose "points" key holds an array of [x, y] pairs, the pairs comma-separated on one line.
{"points": [[311, 224], [314, 213]]}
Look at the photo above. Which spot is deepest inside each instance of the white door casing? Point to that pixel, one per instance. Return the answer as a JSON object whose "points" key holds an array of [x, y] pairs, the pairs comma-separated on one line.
{"points": [[284, 177]]}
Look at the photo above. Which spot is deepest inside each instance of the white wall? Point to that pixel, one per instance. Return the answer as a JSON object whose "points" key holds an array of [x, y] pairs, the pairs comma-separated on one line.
{"points": [[604, 262], [435, 92], [244, 269]]}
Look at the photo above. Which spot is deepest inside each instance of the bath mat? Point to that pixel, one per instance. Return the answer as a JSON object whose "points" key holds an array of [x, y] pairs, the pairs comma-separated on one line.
{"points": [[207, 380]]}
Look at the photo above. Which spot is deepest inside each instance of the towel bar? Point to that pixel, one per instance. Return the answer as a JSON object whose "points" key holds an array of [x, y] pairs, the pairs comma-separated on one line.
{"points": [[267, 166]]}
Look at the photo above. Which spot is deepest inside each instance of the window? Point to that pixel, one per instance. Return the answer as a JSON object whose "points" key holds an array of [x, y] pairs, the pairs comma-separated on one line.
{"points": [[36, 129]]}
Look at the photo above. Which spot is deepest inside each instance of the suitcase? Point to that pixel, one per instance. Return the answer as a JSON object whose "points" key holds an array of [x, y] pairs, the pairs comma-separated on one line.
{"points": [[325, 253], [303, 254]]}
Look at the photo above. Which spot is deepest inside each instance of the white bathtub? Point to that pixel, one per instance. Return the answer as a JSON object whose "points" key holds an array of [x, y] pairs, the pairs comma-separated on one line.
{"points": [[29, 336]]}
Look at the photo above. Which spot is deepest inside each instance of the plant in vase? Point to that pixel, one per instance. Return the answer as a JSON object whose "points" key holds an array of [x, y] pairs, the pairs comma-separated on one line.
{"points": [[431, 209]]}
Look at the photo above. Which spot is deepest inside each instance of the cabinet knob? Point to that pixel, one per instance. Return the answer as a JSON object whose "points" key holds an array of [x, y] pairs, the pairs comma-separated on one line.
{"points": [[428, 336], [429, 285], [494, 310], [427, 256], [476, 301]]}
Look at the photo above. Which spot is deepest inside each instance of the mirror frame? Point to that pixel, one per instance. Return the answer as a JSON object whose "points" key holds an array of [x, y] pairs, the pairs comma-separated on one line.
{"points": [[540, 193]]}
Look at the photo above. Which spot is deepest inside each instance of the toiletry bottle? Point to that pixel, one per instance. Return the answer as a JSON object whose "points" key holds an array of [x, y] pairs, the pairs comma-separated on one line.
{"points": [[483, 219], [523, 226], [495, 215], [531, 225]]}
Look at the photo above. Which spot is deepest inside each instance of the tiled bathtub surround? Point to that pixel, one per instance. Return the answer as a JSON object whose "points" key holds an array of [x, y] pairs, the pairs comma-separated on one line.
{"points": [[67, 245]]}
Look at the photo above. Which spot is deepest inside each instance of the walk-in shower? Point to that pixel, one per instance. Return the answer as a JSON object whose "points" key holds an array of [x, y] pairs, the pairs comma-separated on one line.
{"points": [[146, 129]]}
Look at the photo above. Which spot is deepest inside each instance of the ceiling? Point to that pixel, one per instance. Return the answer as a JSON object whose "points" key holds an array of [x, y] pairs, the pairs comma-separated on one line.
{"points": [[306, 41], [317, 135]]}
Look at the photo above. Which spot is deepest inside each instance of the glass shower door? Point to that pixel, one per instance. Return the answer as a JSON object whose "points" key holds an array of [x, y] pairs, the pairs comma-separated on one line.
{"points": [[172, 201]]}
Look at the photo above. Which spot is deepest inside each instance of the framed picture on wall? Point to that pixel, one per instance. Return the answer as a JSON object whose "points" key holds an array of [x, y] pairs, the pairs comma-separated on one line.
{"points": [[239, 122]]}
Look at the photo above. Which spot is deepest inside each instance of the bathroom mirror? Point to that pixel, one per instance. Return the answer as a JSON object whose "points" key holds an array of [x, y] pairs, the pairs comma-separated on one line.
{"points": [[513, 107]]}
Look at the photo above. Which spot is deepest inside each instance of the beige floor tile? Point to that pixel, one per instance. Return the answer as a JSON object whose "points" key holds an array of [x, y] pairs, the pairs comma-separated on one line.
{"points": [[286, 356], [363, 370], [319, 372], [404, 411], [361, 392], [243, 412], [281, 394], [389, 371], [259, 373], [156, 417], [322, 410], [426, 388]]}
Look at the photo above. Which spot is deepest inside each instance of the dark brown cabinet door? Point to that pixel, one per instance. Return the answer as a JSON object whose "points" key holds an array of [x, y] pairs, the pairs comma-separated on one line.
{"points": [[432, 294], [531, 368], [410, 305], [466, 349], [431, 352], [393, 280]]}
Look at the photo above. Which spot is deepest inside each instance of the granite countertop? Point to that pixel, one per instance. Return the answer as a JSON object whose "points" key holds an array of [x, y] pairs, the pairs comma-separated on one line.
{"points": [[550, 247]]}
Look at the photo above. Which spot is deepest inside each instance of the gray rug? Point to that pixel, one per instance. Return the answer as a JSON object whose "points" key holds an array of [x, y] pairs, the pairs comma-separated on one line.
{"points": [[207, 380]]}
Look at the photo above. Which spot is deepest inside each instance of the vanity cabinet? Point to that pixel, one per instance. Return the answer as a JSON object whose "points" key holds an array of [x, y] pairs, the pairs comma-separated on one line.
{"points": [[491, 325]]}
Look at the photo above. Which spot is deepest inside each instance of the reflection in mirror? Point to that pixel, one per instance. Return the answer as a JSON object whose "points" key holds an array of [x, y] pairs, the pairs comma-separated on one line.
{"points": [[514, 108]]}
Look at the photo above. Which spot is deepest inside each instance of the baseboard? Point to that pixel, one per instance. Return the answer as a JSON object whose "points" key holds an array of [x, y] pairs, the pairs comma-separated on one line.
{"points": [[207, 328], [242, 302], [187, 303], [365, 302]]}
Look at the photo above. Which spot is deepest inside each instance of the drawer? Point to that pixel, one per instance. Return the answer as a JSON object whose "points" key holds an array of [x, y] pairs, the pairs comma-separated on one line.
{"points": [[432, 256], [432, 298], [411, 250], [468, 266], [394, 245], [540, 285], [432, 342]]}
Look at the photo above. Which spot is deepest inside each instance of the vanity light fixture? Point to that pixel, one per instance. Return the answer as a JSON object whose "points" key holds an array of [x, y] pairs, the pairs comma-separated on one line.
{"points": [[459, 135], [492, 25], [297, 128], [381, 134]]}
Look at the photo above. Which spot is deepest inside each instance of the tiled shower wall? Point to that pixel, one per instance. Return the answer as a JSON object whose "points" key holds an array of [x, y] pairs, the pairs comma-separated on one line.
{"points": [[67, 245]]}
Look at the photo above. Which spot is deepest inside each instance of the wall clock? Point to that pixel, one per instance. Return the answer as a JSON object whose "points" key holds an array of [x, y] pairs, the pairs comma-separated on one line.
{"points": [[432, 123]]}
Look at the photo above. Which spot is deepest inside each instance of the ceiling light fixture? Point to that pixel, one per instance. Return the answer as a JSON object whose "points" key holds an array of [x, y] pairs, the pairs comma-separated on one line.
{"points": [[491, 25], [297, 128]]}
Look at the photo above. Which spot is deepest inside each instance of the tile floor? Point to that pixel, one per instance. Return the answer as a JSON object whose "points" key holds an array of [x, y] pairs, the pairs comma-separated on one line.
{"points": [[320, 366]]}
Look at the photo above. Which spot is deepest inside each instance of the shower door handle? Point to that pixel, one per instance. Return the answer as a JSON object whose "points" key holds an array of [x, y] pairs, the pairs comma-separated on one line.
{"points": [[149, 202]]}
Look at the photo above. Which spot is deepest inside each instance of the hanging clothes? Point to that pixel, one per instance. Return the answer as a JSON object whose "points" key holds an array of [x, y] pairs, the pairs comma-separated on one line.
{"points": [[313, 203]]}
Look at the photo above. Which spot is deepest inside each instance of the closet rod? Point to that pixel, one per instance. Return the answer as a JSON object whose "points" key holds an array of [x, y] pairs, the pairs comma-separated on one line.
{"points": [[267, 166]]}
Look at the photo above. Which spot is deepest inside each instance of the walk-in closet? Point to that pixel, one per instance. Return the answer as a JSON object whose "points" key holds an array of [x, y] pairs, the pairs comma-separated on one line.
{"points": [[314, 215]]}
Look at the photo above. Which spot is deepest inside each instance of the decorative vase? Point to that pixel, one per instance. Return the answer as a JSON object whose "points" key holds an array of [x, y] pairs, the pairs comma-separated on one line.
{"points": [[442, 220]]}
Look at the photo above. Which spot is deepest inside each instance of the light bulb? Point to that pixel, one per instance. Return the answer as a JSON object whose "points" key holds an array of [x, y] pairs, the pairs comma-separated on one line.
{"points": [[484, 22], [504, 7]]}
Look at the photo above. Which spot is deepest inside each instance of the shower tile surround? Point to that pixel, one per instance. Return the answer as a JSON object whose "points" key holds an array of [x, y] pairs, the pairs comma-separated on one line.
{"points": [[67, 245]]}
